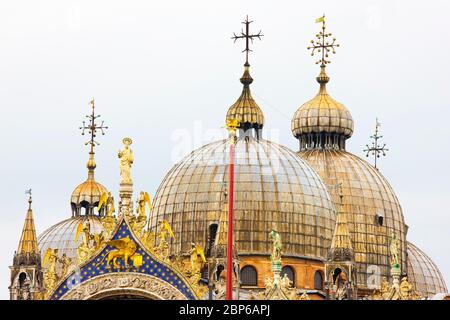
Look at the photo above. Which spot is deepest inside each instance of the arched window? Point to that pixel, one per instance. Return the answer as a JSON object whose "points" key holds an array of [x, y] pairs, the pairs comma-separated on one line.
{"points": [[318, 280], [211, 238], [289, 272], [249, 276], [22, 279]]}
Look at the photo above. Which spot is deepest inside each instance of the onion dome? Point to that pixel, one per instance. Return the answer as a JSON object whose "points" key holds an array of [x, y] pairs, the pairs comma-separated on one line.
{"points": [[274, 188], [322, 121], [423, 274], [87, 194], [245, 109], [61, 236], [28, 250]]}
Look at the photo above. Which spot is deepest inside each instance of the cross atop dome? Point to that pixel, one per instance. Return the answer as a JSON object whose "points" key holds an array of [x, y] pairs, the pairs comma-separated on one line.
{"points": [[92, 127], [248, 38], [322, 45]]}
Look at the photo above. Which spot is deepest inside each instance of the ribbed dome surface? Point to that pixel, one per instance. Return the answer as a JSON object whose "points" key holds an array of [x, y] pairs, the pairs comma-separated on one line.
{"points": [[423, 273], [245, 109], [367, 196], [88, 192], [322, 114], [274, 188], [61, 236]]}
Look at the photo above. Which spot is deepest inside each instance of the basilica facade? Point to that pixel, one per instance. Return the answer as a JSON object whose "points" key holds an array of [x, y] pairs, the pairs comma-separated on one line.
{"points": [[313, 223]]}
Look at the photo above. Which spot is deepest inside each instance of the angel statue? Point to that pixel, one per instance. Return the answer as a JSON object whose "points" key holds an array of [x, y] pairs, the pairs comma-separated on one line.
{"points": [[87, 247], [276, 252], [165, 231], [50, 261], [195, 253], [144, 198], [107, 202], [394, 250], [126, 157], [65, 263]]}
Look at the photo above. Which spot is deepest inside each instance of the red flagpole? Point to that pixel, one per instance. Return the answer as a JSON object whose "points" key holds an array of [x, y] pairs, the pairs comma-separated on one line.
{"points": [[229, 284]]}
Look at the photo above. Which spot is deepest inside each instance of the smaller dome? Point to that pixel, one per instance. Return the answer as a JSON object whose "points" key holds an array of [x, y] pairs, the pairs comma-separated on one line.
{"points": [[245, 109], [423, 273], [322, 114], [87, 193]]}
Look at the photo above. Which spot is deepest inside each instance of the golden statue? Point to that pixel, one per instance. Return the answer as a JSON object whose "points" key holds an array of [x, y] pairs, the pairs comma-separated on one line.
{"points": [[108, 201], [144, 198], [50, 276], [65, 263], [165, 232], [125, 250], [90, 243], [195, 253], [405, 288], [138, 223], [126, 160], [384, 286]]}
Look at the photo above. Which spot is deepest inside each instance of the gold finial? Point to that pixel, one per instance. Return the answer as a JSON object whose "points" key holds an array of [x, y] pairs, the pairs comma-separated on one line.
{"points": [[92, 127], [322, 45]]}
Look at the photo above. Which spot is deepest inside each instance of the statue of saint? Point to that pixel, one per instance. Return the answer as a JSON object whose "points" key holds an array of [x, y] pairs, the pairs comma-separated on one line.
{"points": [[394, 250], [126, 157], [276, 252]]}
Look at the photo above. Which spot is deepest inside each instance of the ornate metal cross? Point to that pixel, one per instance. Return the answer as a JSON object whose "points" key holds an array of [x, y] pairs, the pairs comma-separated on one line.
{"points": [[321, 45], [92, 127], [376, 149], [248, 37]]}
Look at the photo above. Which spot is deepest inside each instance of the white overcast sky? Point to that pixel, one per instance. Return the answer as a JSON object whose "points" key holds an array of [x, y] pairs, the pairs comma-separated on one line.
{"points": [[158, 69]]}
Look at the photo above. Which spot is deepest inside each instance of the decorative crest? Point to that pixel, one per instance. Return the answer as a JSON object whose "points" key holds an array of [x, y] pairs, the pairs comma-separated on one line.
{"points": [[92, 127], [376, 149], [248, 37], [322, 44]]}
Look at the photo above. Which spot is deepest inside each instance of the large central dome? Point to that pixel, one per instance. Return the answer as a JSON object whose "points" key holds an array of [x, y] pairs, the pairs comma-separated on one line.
{"points": [[274, 188]]}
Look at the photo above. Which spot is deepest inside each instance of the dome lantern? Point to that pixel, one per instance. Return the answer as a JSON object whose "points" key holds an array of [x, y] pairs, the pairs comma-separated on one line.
{"points": [[322, 122], [87, 194], [245, 110]]}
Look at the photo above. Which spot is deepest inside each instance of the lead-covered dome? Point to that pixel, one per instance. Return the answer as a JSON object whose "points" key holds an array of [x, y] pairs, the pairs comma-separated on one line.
{"points": [[372, 209], [274, 188], [423, 273]]}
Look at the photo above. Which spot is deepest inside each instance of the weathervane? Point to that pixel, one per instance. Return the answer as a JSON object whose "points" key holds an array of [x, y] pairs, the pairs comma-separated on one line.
{"points": [[92, 127], [322, 46], [248, 37], [376, 149]]}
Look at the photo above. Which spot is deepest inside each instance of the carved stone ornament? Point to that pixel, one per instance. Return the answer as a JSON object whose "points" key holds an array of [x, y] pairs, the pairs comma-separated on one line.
{"points": [[124, 283]]}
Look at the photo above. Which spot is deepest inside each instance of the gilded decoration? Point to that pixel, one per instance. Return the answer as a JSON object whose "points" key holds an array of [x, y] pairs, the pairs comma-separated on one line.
{"points": [[138, 284], [120, 257]]}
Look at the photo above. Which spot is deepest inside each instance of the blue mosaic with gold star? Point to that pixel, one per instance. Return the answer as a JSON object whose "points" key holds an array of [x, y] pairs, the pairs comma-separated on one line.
{"points": [[97, 266]]}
